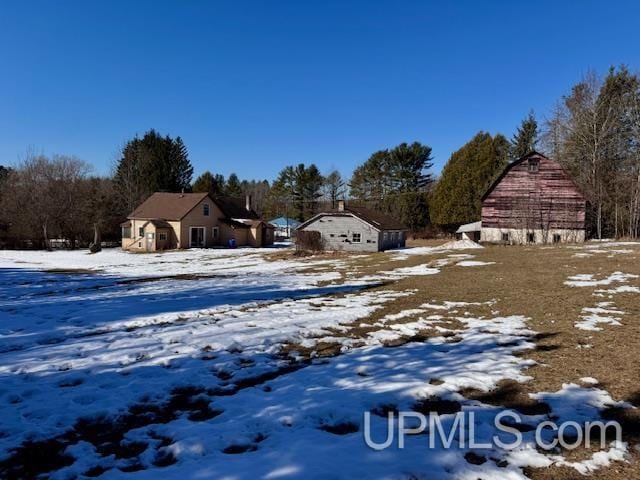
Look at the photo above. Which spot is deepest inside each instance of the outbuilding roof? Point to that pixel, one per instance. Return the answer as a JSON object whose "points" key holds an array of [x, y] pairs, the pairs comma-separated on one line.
{"points": [[284, 222], [378, 220], [470, 227]]}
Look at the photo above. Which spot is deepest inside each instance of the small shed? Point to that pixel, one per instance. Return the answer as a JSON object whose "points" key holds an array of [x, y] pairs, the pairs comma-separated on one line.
{"points": [[469, 231], [284, 226], [357, 229]]}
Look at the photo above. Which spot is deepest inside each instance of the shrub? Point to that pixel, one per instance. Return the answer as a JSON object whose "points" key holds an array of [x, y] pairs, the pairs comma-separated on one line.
{"points": [[309, 240]]}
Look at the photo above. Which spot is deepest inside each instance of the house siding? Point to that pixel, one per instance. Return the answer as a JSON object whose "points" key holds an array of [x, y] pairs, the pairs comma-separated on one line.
{"points": [[196, 218], [178, 234]]}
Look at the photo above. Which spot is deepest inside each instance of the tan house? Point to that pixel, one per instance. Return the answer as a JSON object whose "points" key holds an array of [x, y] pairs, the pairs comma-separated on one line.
{"points": [[167, 221]]}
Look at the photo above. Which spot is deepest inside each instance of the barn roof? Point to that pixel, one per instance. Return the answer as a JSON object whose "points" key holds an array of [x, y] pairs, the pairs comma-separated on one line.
{"points": [[377, 220], [508, 168]]}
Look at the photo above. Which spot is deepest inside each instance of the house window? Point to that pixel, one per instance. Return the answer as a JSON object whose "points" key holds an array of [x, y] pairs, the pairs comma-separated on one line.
{"points": [[126, 232], [205, 209], [215, 233], [505, 237], [141, 232], [385, 236], [162, 236], [534, 165], [531, 238], [556, 238], [355, 238]]}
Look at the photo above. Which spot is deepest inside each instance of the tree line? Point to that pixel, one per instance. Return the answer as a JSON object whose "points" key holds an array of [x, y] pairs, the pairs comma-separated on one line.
{"points": [[594, 132]]}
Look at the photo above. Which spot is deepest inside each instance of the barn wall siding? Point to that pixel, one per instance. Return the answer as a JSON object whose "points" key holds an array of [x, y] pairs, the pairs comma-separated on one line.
{"points": [[524, 201]]}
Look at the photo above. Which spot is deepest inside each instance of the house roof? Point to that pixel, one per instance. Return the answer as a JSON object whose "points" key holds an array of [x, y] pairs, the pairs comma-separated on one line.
{"points": [[174, 206], [159, 223], [235, 207], [169, 206], [377, 220]]}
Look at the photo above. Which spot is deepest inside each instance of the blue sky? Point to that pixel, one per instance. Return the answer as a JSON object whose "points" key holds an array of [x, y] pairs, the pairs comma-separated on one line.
{"points": [[254, 86]]}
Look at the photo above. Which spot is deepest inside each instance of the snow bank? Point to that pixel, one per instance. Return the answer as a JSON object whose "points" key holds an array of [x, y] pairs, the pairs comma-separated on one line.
{"points": [[460, 245]]}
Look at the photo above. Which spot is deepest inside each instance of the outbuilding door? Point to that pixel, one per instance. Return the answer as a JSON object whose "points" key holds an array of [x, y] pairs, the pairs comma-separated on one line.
{"points": [[196, 237]]}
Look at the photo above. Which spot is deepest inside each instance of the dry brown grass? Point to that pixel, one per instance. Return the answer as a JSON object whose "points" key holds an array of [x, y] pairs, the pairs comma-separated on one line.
{"points": [[530, 281]]}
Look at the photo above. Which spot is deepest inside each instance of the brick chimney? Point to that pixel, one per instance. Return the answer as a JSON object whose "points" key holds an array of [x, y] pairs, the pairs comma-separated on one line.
{"points": [[341, 205], [247, 202]]}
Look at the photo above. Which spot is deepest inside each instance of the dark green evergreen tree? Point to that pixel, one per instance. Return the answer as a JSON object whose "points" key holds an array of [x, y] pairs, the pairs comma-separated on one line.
{"points": [[297, 190], [233, 187], [526, 137], [207, 182], [396, 181], [150, 164], [465, 178]]}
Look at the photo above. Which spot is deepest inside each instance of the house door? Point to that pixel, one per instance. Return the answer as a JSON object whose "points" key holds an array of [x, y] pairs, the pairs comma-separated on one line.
{"points": [[150, 239], [196, 237]]}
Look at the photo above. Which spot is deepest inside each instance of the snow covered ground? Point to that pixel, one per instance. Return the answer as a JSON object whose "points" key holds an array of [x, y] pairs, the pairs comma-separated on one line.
{"points": [[172, 366]]}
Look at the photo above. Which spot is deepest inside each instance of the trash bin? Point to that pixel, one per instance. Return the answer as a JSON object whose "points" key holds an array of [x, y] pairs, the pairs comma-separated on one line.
{"points": [[232, 243]]}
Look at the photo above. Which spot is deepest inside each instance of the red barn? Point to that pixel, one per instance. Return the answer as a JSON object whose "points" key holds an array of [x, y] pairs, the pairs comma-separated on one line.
{"points": [[533, 201]]}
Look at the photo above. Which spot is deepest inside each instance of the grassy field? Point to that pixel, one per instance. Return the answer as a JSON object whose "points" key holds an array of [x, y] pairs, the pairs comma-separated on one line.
{"points": [[532, 281]]}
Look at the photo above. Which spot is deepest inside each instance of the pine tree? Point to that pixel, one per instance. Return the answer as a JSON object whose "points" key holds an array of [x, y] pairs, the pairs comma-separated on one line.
{"points": [[150, 164], [207, 182], [466, 177], [297, 190], [396, 181], [312, 183], [526, 137], [334, 187], [233, 187]]}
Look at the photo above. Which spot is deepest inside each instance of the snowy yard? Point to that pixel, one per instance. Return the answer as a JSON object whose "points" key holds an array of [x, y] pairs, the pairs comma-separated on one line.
{"points": [[208, 363]]}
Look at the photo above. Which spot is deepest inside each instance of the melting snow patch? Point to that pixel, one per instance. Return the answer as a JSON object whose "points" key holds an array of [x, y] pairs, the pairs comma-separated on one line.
{"points": [[473, 263], [598, 460], [587, 280], [589, 380], [460, 245], [603, 312]]}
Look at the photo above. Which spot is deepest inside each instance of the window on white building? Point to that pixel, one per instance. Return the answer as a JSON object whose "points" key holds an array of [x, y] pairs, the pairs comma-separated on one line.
{"points": [[355, 238]]}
